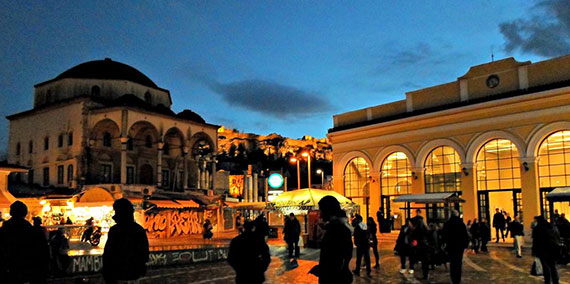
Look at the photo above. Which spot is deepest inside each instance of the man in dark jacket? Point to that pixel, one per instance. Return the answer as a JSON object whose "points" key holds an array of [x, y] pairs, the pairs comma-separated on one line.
{"points": [[456, 239], [361, 243], [545, 246], [517, 232], [484, 234], [291, 232], [249, 256], [474, 230], [24, 253], [499, 224], [336, 246], [126, 251]]}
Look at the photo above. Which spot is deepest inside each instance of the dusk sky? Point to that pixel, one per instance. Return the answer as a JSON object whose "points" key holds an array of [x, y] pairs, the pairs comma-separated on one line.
{"points": [[273, 66]]}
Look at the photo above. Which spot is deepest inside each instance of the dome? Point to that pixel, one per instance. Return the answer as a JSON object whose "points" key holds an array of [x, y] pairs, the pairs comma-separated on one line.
{"points": [[190, 115], [106, 69]]}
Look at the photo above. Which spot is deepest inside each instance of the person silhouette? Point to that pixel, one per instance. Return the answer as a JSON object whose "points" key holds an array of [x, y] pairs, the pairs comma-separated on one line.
{"points": [[249, 255], [126, 251], [24, 252]]}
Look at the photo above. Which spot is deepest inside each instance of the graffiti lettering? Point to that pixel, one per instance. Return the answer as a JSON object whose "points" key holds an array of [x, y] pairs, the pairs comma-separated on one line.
{"points": [[87, 263], [173, 223], [156, 259]]}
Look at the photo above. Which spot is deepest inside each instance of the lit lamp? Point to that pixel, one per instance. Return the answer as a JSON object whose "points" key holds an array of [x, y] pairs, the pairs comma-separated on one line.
{"points": [[293, 160], [320, 172], [306, 155]]}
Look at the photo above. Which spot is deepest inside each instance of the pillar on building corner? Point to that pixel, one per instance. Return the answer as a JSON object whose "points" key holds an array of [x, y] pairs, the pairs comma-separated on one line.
{"points": [[530, 192], [418, 181], [124, 159], [159, 165], [469, 191]]}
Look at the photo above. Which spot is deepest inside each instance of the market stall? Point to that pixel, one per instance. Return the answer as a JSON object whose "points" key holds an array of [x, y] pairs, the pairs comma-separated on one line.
{"points": [[559, 200], [437, 205]]}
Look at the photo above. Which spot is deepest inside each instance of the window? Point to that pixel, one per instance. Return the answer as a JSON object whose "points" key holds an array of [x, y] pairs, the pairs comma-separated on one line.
{"points": [[130, 145], [165, 178], [46, 176], [148, 98], [31, 176], [130, 174], [106, 173], [60, 141], [148, 141], [70, 173], [498, 166], [70, 139], [396, 175], [31, 146], [95, 91], [18, 148], [59, 174], [46, 143], [554, 160], [356, 183], [166, 149], [107, 139], [443, 170]]}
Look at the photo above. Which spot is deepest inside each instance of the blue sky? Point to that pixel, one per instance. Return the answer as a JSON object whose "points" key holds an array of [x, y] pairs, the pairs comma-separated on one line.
{"points": [[273, 66]]}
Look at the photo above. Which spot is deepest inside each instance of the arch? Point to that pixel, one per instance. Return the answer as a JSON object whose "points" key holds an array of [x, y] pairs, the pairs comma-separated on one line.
{"points": [[392, 176], [351, 155], [139, 130], [105, 125], [174, 131], [384, 153], [429, 146], [541, 134], [174, 142], [485, 137], [498, 165], [95, 91], [198, 143]]}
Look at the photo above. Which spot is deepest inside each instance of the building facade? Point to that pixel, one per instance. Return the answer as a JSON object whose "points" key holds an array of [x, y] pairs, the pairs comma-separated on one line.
{"points": [[103, 122], [498, 136]]}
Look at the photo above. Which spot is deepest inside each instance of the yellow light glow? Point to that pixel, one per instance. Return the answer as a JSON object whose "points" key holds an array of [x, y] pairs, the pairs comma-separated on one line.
{"points": [[319, 171], [46, 208], [293, 160], [42, 202], [305, 154]]}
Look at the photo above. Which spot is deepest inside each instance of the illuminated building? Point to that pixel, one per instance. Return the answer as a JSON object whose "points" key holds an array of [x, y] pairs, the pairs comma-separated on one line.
{"points": [[499, 136]]}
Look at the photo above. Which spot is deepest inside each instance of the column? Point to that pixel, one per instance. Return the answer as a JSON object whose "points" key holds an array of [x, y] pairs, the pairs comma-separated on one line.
{"points": [[469, 191], [374, 194], [159, 165], [250, 187], [418, 179], [124, 159], [255, 188], [214, 172], [185, 167], [530, 192]]}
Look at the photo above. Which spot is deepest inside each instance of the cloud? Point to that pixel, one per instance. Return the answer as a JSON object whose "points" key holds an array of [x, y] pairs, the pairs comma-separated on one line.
{"points": [[271, 98], [412, 57], [545, 33]]}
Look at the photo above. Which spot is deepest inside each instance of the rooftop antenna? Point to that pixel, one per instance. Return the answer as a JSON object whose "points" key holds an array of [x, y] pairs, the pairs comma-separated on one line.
{"points": [[492, 55]]}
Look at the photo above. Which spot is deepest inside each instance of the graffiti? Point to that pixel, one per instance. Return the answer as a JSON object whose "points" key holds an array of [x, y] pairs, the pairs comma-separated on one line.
{"points": [[173, 223], [156, 259], [87, 263]]}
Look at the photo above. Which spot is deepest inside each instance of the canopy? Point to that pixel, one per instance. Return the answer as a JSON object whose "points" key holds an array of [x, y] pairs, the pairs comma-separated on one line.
{"points": [[174, 204], [559, 194], [443, 197], [308, 198]]}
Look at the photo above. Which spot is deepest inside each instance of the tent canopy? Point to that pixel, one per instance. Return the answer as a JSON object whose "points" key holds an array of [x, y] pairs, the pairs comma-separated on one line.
{"points": [[308, 198], [443, 197], [559, 194]]}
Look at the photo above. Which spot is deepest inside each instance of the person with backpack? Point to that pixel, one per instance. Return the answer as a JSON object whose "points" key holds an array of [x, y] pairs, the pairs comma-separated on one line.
{"points": [[546, 247], [126, 251]]}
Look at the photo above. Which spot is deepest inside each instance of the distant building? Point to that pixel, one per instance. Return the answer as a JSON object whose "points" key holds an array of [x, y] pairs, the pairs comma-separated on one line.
{"points": [[104, 122], [498, 136]]}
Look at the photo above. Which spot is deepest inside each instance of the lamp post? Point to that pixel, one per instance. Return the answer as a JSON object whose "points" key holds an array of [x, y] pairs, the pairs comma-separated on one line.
{"points": [[320, 172], [306, 155], [293, 160]]}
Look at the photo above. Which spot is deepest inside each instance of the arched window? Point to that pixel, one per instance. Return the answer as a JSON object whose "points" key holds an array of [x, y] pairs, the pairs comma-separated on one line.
{"points": [[554, 169], [130, 146], [166, 149], [443, 170], [356, 182], [60, 141], [95, 91], [46, 143], [107, 139], [70, 139], [498, 166], [148, 141], [18, 148], [396, 175], [31, 146], [148, 97]]}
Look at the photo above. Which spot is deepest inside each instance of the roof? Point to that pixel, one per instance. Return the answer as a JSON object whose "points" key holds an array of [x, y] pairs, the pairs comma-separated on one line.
{"points": [[443, 197], [559, 194], [176, 204], [12, 167], [104, 69]]}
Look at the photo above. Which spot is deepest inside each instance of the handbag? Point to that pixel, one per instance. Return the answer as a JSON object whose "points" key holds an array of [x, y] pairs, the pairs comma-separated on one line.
{"points": [[536, 268]]}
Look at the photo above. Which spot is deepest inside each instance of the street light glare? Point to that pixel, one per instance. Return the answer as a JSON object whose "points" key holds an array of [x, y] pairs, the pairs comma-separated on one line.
{"points": [[319, 171], [305, 154], [293, 160]]}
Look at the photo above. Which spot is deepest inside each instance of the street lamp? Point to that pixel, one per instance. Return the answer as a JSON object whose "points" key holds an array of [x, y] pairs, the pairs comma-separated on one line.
{"points": [[306, 155], [293, 160], [320, 172]]}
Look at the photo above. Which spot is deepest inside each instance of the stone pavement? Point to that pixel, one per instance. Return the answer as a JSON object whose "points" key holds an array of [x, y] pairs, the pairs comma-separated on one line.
{"points": [[498, 266]]}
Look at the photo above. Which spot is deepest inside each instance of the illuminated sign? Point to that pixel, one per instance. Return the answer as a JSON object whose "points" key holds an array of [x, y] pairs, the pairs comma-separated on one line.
{"points": [[236, 185], [275, 180]]}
